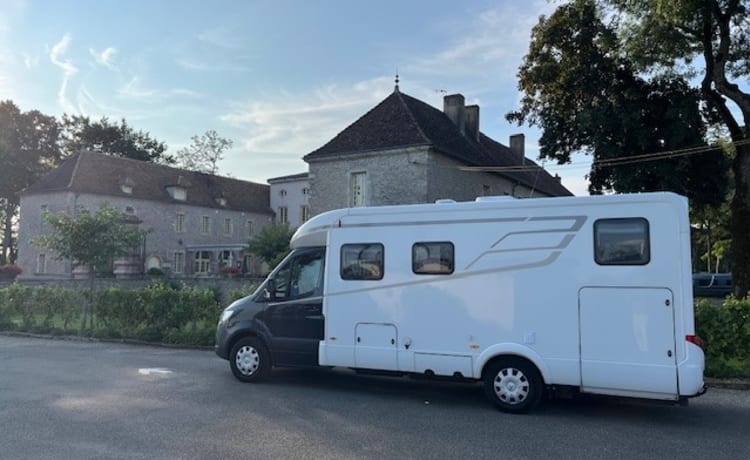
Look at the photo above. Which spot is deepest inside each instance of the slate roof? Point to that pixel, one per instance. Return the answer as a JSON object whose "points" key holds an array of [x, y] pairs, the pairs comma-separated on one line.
{"points": [[99, 174], [401, 121]]}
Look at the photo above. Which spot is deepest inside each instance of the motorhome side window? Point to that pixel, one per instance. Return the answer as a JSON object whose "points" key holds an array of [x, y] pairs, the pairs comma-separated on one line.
{"points": [[622, 241], [362, 261], [432, 258], [301, 276]]}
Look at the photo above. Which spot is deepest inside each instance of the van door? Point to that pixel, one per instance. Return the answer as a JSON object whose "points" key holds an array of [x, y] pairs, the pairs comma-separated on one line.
{"points": [[294, 315], [627, 341]]}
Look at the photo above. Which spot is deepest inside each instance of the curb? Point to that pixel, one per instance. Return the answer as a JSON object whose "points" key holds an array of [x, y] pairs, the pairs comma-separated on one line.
{"points": [[75, 338], [728, 384]]}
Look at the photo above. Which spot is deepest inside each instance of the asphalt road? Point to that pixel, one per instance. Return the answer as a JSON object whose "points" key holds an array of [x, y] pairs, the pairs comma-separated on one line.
{"points": [[80, 400]]}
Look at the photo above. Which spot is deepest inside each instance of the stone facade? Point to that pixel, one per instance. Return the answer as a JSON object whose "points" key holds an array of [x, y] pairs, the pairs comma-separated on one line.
{"points": [[224, 242]]}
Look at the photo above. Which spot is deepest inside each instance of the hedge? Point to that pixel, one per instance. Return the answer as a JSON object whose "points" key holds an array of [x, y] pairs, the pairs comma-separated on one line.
{"points": [[160, 312], [725, 330]]}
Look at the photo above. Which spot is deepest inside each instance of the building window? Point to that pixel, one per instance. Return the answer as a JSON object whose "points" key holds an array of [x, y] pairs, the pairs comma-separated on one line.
{"points": [[432, 258], [282, 192], [250, 229], [41, 263], [178, 266], [205, 225], [622, 241], [179, 224], [305, 191], [202, 262], [362, 261], [304, 213], [358, 189], [283, 215], [228, 226]]}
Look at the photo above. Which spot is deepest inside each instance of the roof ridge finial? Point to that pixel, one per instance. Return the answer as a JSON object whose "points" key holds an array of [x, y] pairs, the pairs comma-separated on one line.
{"points": [[395, 89]]}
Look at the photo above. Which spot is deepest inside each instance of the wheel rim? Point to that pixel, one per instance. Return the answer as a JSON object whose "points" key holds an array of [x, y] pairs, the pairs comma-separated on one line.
{"points": [[511, 386], [247, 360]]}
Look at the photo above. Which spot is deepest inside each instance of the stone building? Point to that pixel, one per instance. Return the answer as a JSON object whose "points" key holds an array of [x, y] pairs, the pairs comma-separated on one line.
{"points": [[406, 151], [290, 199], [198, 223]]}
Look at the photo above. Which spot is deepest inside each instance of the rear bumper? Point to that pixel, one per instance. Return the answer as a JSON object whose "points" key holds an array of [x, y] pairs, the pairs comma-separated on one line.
{"points": [[690, 372]]}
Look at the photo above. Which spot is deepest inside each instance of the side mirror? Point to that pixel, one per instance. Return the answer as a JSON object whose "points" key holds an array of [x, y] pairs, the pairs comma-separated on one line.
{"points": [[269, 291]]}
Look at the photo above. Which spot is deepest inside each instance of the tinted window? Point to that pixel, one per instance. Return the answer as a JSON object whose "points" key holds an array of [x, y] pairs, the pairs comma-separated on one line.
{"points": [[622, 242], [301, 276], [432, 258], [362, 261]]}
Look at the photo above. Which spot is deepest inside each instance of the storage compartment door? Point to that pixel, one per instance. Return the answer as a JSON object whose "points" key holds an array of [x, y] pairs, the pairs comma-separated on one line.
{"points": [[375, 346], [627, 342]]}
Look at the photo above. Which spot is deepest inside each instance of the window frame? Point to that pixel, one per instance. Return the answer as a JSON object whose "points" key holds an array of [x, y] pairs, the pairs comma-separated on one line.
{"points": [[228, 226], [179, 223], [646, 239], [178, 268], [205, 225], [283, 215], [380, 264], [426, 243]]}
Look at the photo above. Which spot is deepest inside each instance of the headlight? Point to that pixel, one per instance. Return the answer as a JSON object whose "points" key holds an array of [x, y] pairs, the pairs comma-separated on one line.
{"points": [[225, 315]]}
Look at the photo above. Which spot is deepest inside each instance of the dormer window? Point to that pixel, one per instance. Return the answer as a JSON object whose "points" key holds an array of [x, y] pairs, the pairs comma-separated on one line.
{"points": [[221, 201], [177, 192], [126, 185]]}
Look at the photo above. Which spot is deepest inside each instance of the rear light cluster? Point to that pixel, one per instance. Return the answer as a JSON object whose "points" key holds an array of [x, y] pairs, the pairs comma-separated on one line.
{"points": [[696, 340]]}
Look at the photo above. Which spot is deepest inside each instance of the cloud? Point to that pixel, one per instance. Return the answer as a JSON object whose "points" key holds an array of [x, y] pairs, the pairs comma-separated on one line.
{"points": [[56, 55], [300, 123], [105, 58], [188, 63], [134, 89]]}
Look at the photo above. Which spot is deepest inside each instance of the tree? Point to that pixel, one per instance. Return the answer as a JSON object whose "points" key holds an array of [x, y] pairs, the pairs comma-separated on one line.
{"points": [[272, 243], [79, 132], [204, 153], [652, 45], [28, 150], [89, 240], [674, 34]]}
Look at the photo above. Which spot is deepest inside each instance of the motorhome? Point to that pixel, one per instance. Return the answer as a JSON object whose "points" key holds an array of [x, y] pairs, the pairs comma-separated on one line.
{"points": [[591, 293]]}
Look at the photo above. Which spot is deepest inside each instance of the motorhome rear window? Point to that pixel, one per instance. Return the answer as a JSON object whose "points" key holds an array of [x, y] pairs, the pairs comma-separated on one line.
{"points": [[432, 258], [362, 261], [622, 241]]}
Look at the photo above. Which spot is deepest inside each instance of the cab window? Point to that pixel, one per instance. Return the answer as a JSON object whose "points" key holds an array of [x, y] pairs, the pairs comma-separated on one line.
{"points": [[299, 277]]}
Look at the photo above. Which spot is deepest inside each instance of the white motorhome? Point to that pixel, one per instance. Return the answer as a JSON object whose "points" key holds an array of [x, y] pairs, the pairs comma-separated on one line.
{"points": [[590, 293]]}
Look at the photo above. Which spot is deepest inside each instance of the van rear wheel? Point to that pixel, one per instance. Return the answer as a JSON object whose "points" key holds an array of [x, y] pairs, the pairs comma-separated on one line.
{"points": [[513, 384], [250, 360]]}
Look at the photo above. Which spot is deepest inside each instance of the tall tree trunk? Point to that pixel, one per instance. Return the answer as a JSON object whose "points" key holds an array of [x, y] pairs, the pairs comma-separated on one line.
{"points": [[740, 222]]}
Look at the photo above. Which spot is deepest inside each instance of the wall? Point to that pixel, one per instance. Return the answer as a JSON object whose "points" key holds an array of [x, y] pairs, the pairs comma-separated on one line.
{"points": [[294, 199], [393, 177], [161, 243]]}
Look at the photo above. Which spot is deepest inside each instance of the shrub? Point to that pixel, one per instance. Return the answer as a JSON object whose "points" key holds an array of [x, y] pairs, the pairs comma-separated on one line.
{"points": [[155, 272], [725, 330]]}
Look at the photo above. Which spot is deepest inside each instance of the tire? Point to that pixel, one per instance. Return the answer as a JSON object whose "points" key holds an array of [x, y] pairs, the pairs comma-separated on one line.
{"points": [[513, 384], [250, 360]]}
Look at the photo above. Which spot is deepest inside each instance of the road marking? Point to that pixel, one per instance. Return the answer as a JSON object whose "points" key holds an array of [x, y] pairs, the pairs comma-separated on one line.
{"points": [[154, 370]]}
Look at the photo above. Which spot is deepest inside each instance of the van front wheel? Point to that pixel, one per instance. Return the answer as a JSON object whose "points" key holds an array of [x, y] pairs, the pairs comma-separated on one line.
{"points": [[513, 384], [249, 360]]}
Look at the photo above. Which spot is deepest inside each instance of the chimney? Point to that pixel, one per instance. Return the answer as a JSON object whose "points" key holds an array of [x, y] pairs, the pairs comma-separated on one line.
{"points": [[453, 106], [472, 122], [517, 142]]}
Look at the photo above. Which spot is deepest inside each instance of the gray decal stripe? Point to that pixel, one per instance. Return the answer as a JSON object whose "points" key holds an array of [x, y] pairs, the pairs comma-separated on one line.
{"points": [[579, 221], [550, 259], [564, 242], [435, 222]]}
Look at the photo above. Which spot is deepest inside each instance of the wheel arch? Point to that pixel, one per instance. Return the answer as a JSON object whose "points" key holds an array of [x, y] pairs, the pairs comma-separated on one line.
{"points": [[503, 350], [245, 333]]}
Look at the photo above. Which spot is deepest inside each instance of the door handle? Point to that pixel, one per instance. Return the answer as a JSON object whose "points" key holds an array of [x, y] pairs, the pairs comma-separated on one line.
{"points": [[393, 341], [359, 339]]}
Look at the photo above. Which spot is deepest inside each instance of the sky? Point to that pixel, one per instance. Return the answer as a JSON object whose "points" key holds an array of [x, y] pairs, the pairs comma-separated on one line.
{"points": [[280, 78]]}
